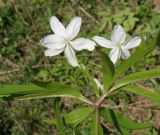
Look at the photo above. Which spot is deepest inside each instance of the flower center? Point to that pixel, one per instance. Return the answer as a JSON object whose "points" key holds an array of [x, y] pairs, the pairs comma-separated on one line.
{"points": [[67, 42], [119, 46]]}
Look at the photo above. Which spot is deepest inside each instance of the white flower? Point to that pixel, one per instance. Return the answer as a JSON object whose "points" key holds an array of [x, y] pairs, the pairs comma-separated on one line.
{"points": [[62, 40], [119, 47], [99, 85]]}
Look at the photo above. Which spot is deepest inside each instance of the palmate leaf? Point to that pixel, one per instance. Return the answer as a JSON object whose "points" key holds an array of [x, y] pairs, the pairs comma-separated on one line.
{"points": [[143, 92], [78, 115], [120, 121], [146, 47], [38, 90], [108, 70], [144, 75], [75, 117]]}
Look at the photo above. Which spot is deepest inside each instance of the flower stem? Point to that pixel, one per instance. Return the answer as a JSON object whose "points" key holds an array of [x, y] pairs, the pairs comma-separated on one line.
{"points": [[97, 121], [103, 97]]}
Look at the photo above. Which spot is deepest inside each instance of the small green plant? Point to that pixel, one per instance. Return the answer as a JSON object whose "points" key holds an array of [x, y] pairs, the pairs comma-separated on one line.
{"points": [[114, 79]]}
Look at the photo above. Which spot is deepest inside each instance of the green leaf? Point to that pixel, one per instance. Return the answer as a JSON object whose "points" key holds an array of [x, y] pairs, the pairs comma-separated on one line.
{"points": [[146, 47], [77, 116], [74, 132], [59, 121], [95, 124], [144, 75], [124, 131], [50, 121], [91, 80], [116, 123], [38, 90], [108, 70], [143, 92], [120, 121], [100, 131], [60, 89]]}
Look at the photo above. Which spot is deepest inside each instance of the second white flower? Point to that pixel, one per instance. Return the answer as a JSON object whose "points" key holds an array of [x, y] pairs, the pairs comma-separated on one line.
{"points": [[119, 47]]}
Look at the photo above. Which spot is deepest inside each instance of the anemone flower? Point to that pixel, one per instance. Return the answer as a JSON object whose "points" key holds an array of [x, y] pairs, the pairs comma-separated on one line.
{"points": [[63, 39], [120, 48]]}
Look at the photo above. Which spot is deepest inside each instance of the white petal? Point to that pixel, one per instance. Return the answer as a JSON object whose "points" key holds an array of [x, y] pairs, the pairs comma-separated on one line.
{"points": [[53, 42], [99, 85], [53, 52], [118, 35], [115, 54], [125, 54], [73, 28], [134, 42], [82, 43], [103, 42], [70, 55], [57, 27]]}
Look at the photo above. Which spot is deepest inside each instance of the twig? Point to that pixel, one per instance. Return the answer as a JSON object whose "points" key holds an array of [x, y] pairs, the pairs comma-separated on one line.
{"points": [[18, 14], [88, 14], [9, 72], [139, 102], [30, 15]]}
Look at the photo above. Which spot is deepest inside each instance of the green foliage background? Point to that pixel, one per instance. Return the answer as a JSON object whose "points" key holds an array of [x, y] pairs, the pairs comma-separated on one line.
{"points": [[24, 22]]}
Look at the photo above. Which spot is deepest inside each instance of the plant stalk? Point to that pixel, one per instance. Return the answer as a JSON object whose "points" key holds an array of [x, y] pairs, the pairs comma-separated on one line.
{"points": [[103, 97], [97, 120]]}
